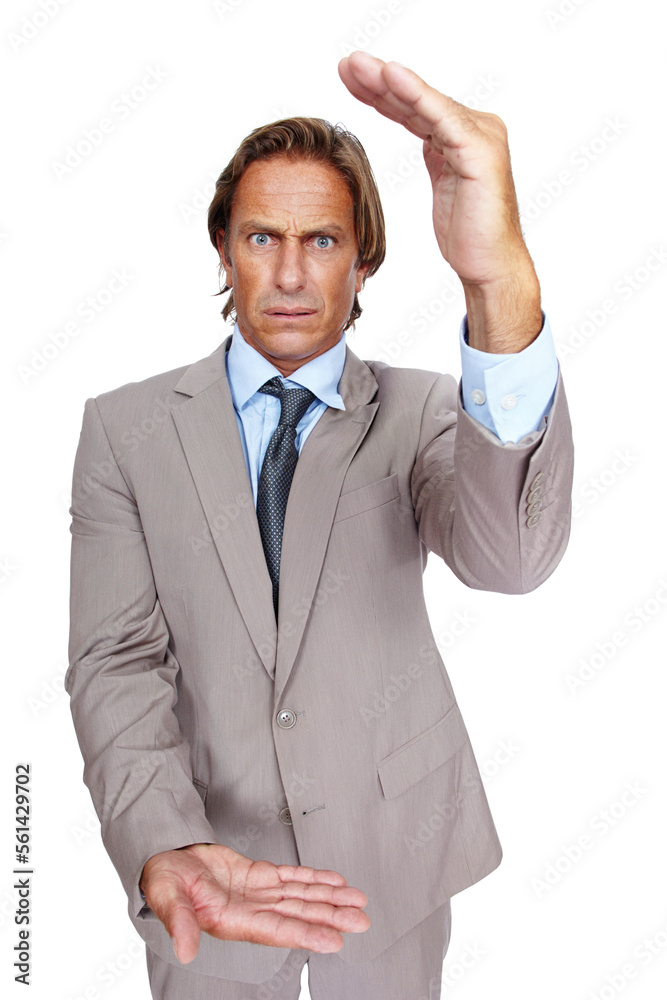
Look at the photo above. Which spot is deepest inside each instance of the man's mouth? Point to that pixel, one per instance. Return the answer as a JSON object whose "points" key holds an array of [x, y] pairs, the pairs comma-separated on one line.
{"points": [[290, 312]]}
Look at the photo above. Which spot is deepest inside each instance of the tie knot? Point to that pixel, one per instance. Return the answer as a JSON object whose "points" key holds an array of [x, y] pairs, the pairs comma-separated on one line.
{"points": [[294, 402]]}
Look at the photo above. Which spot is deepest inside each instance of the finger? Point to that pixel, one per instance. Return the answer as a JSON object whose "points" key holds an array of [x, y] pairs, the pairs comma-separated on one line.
{"points": [[280, 930], [354, 81], [303, 873], [348, 919], [185, 934], [377, 93], [397, 86], [373, 79], [402, 95], [381, 99], [172, 905], [425, 110], [346, 896]]}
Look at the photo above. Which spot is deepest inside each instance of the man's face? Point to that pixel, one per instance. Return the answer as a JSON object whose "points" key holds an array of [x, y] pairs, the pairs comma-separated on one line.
{"points": [[292, 259]]}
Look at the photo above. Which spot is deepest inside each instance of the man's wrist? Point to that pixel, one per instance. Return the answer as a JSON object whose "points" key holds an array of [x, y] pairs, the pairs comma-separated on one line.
{"points": [[505, 316]]}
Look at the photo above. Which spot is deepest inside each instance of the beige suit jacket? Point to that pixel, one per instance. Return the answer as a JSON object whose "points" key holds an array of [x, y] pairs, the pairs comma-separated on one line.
{"points": [[331, 738]]}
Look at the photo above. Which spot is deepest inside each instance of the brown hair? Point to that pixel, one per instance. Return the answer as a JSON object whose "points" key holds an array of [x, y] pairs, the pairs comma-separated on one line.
{"points": [[313, 139]]}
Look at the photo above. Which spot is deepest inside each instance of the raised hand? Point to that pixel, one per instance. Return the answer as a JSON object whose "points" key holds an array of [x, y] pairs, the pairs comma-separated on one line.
{"points": [[475, 211], [210, 887]]}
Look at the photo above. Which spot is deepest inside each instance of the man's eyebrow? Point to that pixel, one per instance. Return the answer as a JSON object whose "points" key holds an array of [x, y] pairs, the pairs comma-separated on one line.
{"points": [[258, 226]]}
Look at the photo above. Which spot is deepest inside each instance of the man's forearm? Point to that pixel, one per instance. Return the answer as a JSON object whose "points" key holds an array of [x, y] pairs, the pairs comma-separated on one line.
{"points": [[121, 677], [504, 317]]}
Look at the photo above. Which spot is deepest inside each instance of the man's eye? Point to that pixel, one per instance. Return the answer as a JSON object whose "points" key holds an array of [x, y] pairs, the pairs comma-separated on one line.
{"points": [[260, 239], [323, 242]]}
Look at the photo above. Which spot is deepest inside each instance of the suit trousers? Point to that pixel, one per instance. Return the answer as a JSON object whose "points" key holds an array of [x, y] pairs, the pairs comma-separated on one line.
{"points": [[409, 969]]}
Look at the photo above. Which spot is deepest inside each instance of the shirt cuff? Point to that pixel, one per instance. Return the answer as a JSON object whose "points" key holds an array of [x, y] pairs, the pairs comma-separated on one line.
{"points": [[509, 393]]}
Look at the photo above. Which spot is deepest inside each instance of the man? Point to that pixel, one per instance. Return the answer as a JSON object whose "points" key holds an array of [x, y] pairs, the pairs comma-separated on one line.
{"points": [[258, 697]]}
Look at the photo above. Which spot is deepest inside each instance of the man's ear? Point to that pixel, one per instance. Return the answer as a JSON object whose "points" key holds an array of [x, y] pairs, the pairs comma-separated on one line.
{"points": [[219, 242], [361, 277]]}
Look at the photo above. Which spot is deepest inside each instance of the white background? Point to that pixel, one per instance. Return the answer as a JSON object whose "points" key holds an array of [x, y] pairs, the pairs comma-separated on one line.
{"points": [[138, 204]]}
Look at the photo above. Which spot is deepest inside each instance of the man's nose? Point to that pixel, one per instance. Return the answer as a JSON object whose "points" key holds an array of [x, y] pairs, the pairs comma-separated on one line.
{"points": [[290, 273]]}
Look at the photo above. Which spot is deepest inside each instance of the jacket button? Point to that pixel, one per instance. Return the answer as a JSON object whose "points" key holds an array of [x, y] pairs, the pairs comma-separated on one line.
{"points": [[285, 816], [286, 718]]}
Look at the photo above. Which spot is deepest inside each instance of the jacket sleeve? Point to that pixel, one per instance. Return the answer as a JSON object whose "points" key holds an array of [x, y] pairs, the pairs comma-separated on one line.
{"points": [[498, 514], [122, 675]]}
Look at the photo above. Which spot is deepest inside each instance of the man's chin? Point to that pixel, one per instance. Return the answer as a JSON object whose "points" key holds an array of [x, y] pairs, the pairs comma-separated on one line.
{"points": [[291, 331], [289, 339]]}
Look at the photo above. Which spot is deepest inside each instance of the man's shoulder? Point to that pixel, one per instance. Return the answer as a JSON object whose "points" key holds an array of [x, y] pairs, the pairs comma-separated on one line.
{"points": [[164, 388], [143, 387], [418, 380]]}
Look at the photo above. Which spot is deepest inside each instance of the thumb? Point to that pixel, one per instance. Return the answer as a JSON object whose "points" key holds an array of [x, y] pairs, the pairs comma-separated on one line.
{"points": [[174, 908]]}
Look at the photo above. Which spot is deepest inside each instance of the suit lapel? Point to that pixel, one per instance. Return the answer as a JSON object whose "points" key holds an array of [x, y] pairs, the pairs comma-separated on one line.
{"points": [[208, 431], [311, 506]]}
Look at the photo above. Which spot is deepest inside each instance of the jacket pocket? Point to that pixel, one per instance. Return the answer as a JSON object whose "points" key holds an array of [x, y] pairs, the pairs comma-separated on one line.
{"points": [[375, 494], [422, 754]]}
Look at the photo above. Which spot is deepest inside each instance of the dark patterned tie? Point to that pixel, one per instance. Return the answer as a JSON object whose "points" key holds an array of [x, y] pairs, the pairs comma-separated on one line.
{"points": [[278, 467]]}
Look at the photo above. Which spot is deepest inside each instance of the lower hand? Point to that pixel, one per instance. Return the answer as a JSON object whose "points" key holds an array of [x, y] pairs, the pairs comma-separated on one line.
{"points": [[212, 888]]}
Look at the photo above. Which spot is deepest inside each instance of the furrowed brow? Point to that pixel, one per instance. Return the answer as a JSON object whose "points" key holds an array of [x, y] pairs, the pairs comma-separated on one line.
{"points": [[259, 226]]}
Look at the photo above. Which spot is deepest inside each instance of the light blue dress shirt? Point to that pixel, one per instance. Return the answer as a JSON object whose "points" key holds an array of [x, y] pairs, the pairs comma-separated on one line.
{"points": [[517, 390], [509, 393], [257, 414]]}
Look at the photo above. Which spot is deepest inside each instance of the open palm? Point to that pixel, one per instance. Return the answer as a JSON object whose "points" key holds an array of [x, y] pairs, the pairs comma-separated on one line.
{"points": [[212, 888]]}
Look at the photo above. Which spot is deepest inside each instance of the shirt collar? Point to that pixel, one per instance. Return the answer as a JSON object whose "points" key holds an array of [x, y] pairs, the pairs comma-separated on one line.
{"points": [[247, 370]]}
